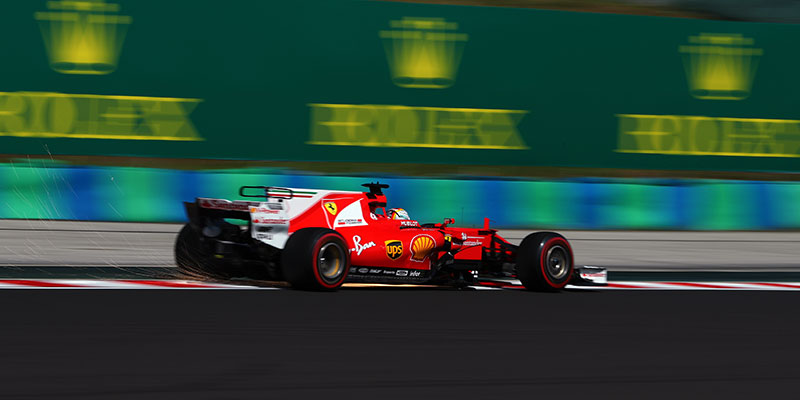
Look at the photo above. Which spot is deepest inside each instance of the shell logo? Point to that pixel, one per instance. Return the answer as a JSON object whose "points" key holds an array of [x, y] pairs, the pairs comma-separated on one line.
{"points": [[421, 247]]}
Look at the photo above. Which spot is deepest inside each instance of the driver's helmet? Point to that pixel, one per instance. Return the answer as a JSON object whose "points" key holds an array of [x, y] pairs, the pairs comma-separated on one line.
{"points": [[398, 213]]}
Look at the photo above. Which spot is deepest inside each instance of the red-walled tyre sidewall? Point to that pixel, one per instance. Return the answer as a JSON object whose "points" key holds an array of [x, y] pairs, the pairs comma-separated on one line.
{"points": [[532, 266], [300, 256]]}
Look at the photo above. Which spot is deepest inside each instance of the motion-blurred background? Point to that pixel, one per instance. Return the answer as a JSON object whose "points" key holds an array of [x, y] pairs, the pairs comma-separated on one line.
{"points": [[569, 114]]}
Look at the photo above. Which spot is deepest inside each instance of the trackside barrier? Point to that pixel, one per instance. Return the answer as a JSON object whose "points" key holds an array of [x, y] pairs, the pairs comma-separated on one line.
{"points": [[397, 82], [155, 195]]}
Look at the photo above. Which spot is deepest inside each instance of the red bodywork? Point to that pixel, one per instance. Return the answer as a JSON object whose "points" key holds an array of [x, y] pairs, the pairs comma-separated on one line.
{"points": [[392, 243], [381, 248]]}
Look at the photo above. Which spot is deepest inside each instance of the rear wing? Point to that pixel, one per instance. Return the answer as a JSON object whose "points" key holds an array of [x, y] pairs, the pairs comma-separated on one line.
{"points": [[266, 192], [236, 209], [269, 204], [268, 219]]}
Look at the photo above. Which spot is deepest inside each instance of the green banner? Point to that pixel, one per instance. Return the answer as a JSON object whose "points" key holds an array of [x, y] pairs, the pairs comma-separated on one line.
{"points": [[375, 81]]}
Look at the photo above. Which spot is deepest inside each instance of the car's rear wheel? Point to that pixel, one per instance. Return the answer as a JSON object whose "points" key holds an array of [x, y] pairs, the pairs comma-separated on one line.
{"points": [[315, 259], [544, 261]]}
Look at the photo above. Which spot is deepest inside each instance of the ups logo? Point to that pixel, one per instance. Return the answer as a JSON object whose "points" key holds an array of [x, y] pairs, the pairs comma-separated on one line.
{"points": [[394, 249]]}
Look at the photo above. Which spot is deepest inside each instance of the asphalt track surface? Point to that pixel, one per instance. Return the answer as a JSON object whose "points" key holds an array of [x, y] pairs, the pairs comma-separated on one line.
{"points": [[397, 344], [392, 343]]}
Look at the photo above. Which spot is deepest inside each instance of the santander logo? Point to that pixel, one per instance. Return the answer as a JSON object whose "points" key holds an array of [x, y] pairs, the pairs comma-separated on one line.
{"points": [[360, 247]]}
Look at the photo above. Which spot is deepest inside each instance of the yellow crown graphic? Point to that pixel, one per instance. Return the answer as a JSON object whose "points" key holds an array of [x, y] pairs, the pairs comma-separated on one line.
{"points": [[423, 52], [720, 66], [83, 36]]}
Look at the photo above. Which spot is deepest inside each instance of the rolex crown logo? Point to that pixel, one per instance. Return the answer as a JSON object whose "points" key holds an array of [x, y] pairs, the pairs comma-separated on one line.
{"points": [[83, 36], [720, 66], [423, 52]]}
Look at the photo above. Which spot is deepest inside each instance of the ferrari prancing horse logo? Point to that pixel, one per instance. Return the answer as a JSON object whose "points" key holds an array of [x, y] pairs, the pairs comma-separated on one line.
{"points": [[331, 207]]}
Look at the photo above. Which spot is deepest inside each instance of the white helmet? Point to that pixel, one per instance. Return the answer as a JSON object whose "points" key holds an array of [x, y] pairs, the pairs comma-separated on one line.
{"points": [[398, 213]]}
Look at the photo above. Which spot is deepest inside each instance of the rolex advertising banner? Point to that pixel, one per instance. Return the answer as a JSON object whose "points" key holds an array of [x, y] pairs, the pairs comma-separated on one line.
{"points": [[374, 81]]}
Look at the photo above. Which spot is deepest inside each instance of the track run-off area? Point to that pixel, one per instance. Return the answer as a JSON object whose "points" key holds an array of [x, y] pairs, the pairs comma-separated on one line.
{"points": [[110, 255], [186, 284], [82, 245]]}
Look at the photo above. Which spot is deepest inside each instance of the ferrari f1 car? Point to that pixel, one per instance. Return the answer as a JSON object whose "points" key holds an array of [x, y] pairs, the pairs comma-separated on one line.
{"points": [[320, 239]]}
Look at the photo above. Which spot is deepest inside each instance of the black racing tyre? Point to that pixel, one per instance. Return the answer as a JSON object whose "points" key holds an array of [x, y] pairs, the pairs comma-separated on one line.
{"points": [[315, 259], [544, 261], [193, 259]]}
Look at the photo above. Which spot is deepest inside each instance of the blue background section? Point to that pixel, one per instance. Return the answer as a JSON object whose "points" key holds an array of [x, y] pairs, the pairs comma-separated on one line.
{"points": [[156, 195]]}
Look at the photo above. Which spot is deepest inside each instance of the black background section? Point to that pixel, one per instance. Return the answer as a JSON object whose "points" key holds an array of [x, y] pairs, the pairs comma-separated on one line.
{"points": [[397, 344]]}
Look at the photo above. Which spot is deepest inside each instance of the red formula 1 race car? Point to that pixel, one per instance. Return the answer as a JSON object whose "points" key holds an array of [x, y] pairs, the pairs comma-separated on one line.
{"points": [[319, 239]]}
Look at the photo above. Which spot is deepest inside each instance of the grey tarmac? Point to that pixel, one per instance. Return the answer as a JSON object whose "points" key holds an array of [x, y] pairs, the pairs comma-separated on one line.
{"points": [[46, 243]]}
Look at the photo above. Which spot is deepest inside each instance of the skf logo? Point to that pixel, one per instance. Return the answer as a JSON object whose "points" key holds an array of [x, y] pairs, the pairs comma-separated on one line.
{"points": [[394, 249], [331, 207], [83, 36], [421, 247], [720, 66], [423, 52]]}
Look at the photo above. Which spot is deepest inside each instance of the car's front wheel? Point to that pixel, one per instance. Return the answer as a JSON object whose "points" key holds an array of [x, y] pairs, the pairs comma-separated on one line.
{"points": [[544, 261]]}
